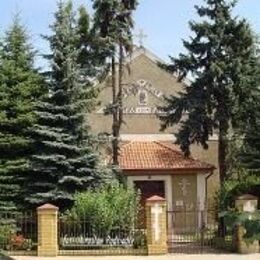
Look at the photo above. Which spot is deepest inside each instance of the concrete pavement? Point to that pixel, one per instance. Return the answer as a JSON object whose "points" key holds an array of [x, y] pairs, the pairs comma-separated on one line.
{"points": [[164, 257]]}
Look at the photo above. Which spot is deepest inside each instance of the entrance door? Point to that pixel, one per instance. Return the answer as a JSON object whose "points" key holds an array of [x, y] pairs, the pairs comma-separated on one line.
{"points": [[147, 190]]}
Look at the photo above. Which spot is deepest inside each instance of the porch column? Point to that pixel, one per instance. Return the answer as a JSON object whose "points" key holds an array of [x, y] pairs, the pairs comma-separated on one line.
{"points": [[156, 226]]}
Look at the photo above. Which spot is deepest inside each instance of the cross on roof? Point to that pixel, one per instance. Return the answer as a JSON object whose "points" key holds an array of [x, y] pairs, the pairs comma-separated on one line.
{"points": [[141, 37]]}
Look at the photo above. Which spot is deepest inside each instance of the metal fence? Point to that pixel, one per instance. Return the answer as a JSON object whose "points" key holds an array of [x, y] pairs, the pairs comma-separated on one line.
{"points": [[18, 233], [195, 230], [78, 236]]}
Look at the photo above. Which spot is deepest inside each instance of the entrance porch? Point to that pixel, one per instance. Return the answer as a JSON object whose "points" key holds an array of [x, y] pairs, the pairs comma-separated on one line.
{"points": [[157, 168]]}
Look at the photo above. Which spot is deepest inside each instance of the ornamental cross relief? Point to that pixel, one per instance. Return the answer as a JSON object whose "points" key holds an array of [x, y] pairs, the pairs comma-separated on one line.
{"points": [[183, 186], [156, 210]]}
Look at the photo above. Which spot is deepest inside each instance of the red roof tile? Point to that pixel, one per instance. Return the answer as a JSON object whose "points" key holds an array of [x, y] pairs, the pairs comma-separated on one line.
{"points": [[157, 156]]}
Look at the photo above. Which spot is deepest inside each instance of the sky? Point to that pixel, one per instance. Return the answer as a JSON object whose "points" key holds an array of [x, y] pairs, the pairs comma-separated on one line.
{"points": [[165, 22]]}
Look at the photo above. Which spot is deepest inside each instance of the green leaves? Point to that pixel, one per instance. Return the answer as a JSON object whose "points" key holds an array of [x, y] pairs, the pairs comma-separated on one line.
{"points": [[236, 187], [250, 221], [111, 206]]}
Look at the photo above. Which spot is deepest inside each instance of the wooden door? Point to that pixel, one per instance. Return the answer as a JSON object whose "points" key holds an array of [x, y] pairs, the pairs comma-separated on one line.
{"points": [[147, 190]]}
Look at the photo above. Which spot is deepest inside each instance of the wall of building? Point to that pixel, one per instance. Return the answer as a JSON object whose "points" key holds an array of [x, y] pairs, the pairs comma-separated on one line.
{"points": [[141, 68], [210, 156], [185, 202], [145, 68]]}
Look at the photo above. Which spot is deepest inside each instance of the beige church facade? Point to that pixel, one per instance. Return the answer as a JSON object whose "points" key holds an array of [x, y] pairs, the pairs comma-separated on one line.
{"points": [[145, 86]]}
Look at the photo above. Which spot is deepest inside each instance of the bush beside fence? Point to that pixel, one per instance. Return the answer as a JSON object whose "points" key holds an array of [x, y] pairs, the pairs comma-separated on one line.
{"points": [[18, 233]]}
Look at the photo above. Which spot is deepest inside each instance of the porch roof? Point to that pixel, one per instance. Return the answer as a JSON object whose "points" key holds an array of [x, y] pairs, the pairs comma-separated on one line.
{"points": [[156, 156]]}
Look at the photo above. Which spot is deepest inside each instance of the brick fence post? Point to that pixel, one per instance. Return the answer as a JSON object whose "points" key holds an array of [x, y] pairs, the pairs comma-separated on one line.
{"points": [[156, 226], [245, 203], [47, 230]]}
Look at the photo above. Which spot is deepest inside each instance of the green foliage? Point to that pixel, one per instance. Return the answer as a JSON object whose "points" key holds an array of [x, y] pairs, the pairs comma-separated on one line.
{"points": [[91, 54], [140, 240], [66, 159], [5, 234], [108, 207], [113, 22], [221, 61], [249, 155], [249, 152], [112, 26], [20, 87], [250, 221], [236, 187]]}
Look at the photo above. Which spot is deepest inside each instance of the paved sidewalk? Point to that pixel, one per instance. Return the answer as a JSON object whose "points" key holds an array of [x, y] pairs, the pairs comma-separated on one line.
{"points": [[165, 257]]}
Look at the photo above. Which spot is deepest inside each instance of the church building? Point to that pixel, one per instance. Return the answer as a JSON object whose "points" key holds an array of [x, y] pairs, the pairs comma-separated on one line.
{"points": [[148, 157]]}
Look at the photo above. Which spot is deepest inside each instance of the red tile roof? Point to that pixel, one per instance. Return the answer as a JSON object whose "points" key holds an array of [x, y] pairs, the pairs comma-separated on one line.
{"points": [[157, 156]]}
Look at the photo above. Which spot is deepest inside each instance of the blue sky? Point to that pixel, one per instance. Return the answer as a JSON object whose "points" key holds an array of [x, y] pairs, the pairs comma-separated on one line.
{"points": [[164, 21]]}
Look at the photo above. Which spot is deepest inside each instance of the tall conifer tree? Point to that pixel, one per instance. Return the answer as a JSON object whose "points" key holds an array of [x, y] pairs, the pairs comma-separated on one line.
{"points": [[65, 161], [220, 59], [90, 61], [250, 153], [113, 22], [90, 56], [20, 87]]}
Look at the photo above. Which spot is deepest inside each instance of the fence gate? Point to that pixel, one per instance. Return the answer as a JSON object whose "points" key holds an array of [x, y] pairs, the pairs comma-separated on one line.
{"points": [[194, 230]]}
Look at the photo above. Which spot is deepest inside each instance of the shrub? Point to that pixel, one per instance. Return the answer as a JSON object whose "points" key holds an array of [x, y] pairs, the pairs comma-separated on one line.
{"points": [[6, 232], [106, 208], [250, 221], [233, 188]]}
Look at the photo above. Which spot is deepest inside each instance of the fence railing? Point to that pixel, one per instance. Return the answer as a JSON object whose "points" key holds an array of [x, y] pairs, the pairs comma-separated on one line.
{"points": [[79, 234], [18, 232], [195, 230]]}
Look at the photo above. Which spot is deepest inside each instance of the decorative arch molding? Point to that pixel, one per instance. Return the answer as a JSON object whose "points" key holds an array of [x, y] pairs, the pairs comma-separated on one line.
{"points": [[142, 90], [136, 87]]}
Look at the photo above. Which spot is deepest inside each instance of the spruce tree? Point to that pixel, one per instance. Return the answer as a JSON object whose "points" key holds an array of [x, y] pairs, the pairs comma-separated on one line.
{"points": [[65, 161], [113, 23], [20, 87], [89, 58], [249, 156], [221, 63]]}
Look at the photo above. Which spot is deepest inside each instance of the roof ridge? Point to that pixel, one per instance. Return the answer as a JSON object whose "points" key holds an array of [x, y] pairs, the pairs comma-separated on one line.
{"points": [[126, 144], [168, 147]]}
